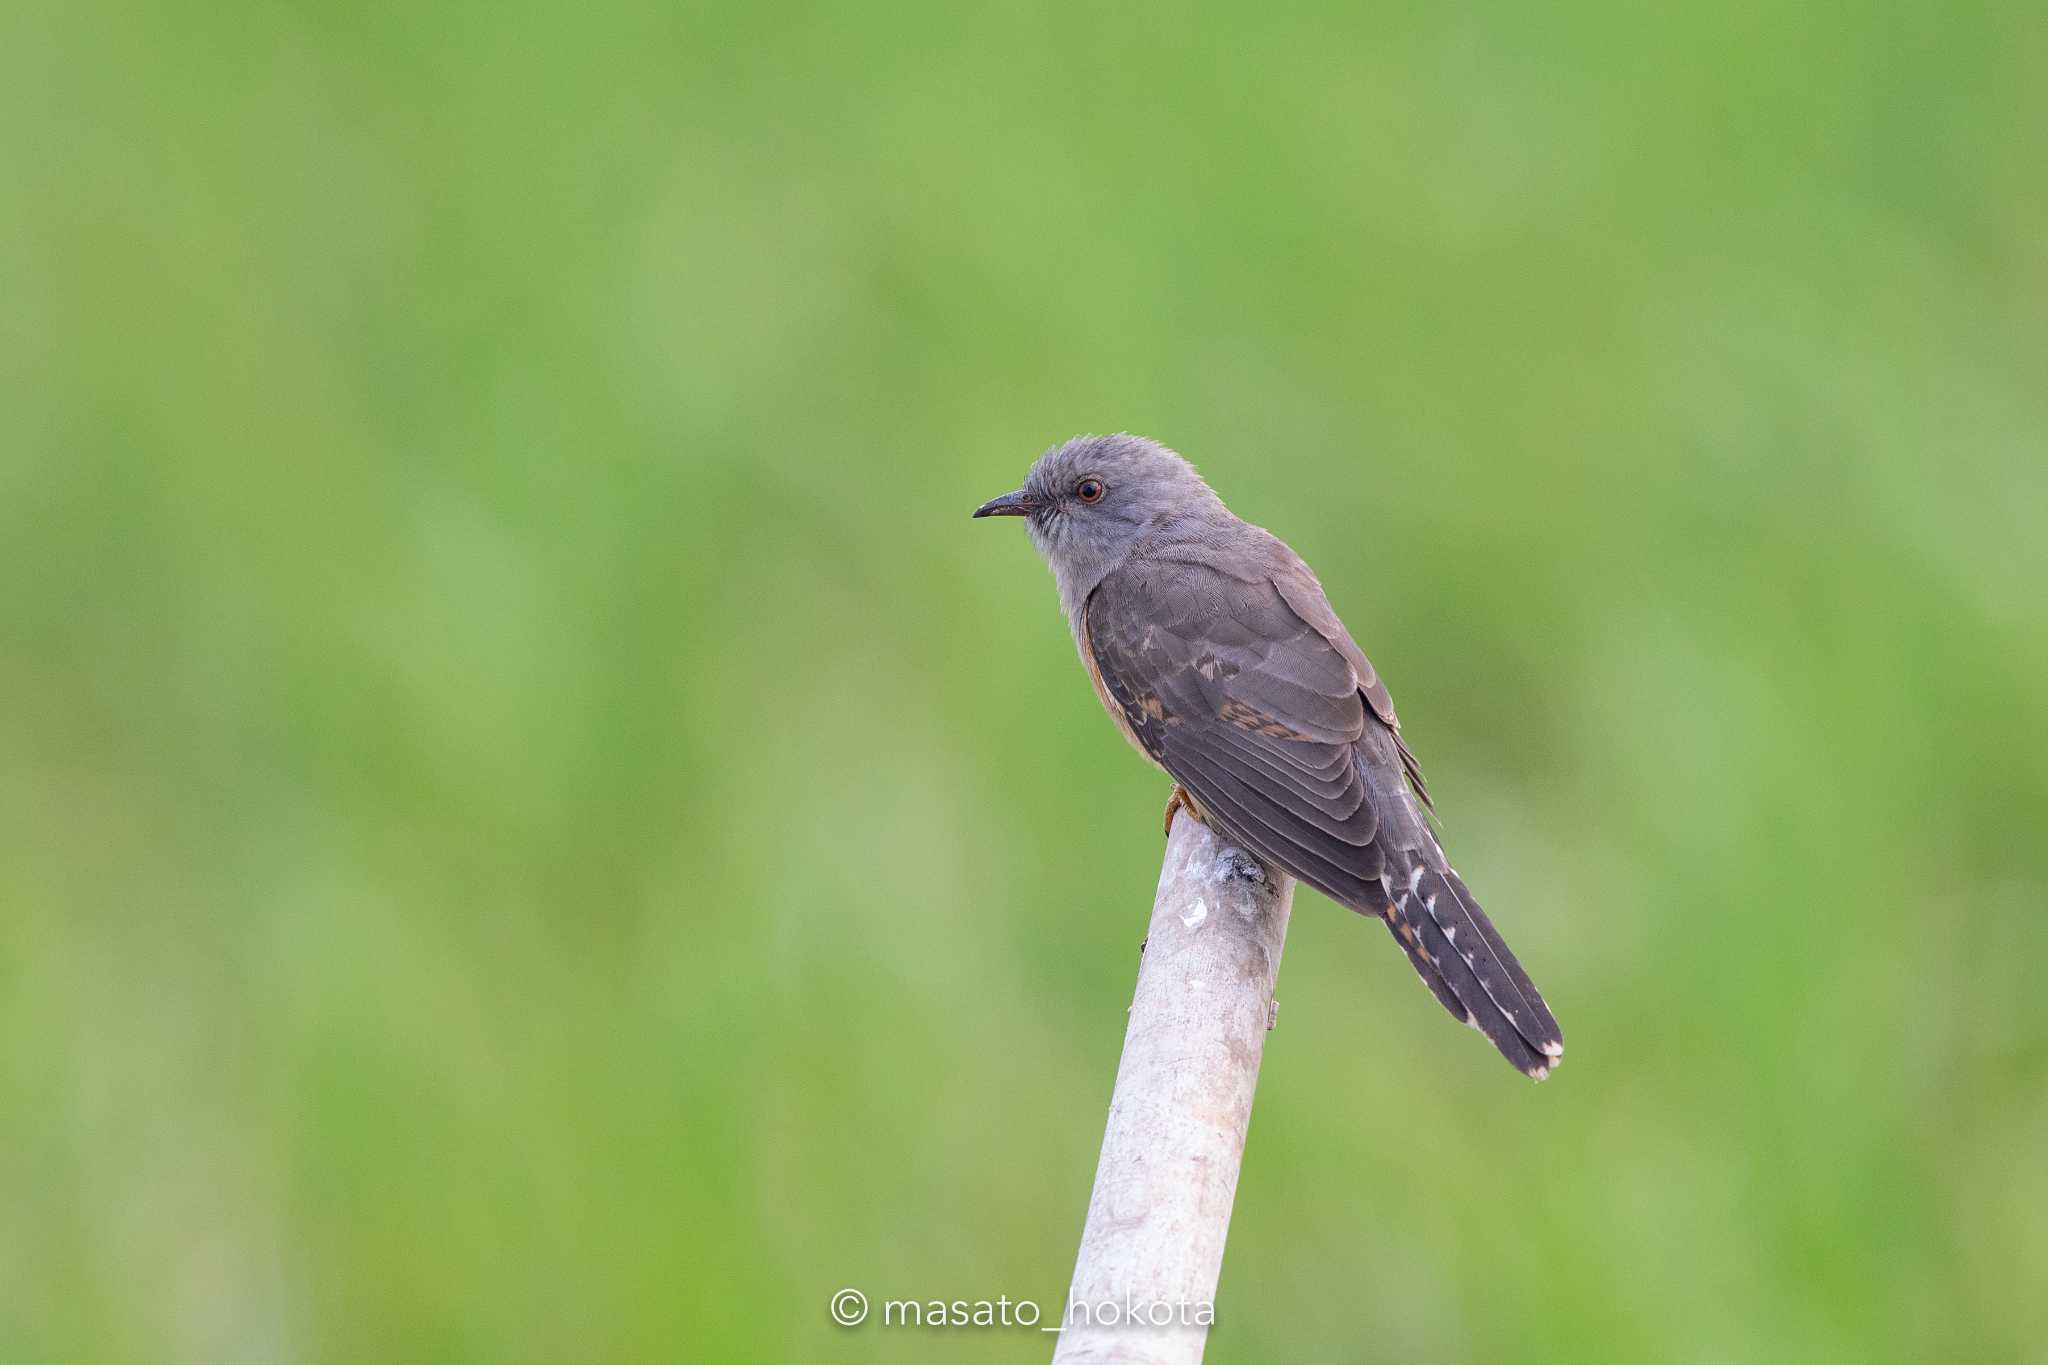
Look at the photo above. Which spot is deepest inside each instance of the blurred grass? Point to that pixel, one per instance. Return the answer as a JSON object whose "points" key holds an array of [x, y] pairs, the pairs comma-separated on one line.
{"points": [[536, 829]]}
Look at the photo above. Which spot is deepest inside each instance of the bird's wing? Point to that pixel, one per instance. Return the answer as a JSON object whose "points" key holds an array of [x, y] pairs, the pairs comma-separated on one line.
{"points": [[1250, 709], [1298, 587], [1269, 724]]}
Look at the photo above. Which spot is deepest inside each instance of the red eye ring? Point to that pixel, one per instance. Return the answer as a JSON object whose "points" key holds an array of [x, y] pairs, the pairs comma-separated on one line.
{"points": [[1090, 490]]}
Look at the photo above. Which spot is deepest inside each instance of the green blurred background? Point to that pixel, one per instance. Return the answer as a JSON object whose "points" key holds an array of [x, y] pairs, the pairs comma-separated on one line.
{"points": [[536, 829]]}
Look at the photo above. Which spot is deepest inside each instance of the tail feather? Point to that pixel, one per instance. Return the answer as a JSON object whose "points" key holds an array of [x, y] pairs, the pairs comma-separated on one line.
{"points": [[1549, 1038], [1461, 958]]}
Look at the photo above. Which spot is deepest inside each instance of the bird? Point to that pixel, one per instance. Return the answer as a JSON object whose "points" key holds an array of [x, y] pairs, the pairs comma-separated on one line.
{"points": [[1214, 649]]}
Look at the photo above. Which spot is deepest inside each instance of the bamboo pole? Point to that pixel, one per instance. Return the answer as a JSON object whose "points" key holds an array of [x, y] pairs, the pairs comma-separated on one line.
{"points": [[1145, 1280]]}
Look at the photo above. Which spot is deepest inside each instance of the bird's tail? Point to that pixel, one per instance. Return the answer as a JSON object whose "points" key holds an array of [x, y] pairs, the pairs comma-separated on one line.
{"points": [[1461, 958]]}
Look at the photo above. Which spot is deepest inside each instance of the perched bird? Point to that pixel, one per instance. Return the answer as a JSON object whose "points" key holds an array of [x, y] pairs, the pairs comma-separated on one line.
{"points": [[1213, 648]]}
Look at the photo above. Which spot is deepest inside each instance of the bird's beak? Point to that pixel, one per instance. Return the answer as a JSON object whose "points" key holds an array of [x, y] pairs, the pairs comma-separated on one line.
{"points": [[1017, 504]]}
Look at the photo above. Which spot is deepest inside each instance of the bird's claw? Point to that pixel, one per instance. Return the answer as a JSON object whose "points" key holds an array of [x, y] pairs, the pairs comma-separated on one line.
{"points": [[1180, 800]]}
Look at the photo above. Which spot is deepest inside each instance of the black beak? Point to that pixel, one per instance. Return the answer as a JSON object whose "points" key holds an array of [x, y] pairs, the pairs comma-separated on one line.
{"points": [[1017, 504]]}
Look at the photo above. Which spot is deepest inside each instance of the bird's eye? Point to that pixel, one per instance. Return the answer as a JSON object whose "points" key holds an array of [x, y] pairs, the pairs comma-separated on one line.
{"points": [[1089, 490]]}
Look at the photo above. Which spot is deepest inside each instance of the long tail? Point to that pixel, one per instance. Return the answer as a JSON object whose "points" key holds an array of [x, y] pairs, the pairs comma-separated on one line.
{"points": [[1461, 958]]}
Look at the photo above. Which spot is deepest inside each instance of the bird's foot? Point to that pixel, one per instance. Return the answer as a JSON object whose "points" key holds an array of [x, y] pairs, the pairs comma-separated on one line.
{"points": [[1180, 800]]}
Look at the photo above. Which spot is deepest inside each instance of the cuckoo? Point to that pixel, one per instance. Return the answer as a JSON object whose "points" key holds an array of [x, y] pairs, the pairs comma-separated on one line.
{"points": [[1212, 646]]}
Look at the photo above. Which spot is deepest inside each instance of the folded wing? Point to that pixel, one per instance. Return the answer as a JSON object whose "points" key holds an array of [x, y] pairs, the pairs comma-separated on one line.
{"points": [[1258, 703]]}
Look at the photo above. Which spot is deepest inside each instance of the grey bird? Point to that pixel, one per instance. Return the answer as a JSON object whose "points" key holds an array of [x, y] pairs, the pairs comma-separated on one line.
{"points": [[1211, 645]]}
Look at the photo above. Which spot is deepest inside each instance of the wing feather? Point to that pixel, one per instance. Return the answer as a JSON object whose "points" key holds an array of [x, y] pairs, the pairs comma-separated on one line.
{"points": [[1254, 697]]}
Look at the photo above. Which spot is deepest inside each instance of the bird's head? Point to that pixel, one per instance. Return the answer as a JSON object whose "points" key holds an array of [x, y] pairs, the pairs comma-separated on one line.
{"points": [[1087, 501]]}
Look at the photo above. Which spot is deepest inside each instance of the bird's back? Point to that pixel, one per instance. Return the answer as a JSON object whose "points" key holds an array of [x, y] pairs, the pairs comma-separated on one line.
{"points": [[1214, 648]]}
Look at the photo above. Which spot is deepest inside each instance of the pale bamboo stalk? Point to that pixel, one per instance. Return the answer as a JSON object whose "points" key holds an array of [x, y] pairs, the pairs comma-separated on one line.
{"points": [[1152, 1247]]}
